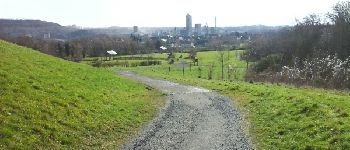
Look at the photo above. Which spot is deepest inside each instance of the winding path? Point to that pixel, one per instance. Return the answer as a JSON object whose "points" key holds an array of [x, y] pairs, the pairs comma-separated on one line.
{"points": [[193, 118]]}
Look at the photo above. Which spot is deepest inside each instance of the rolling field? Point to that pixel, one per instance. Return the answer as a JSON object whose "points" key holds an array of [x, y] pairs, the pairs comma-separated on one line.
{"points": [[234, 69], [280, 116], [50, 103]]}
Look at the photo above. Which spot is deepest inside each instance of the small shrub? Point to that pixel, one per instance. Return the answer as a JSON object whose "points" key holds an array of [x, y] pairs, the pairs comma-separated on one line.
{"points": [[210, 72], [271, 62], [150, 63], [97, 63], [171, 61], [199, 72]]}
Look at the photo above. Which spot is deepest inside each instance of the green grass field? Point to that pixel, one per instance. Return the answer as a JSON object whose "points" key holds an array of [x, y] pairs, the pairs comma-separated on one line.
{"points": [[50, 103], [234, 69], [280, 116]]}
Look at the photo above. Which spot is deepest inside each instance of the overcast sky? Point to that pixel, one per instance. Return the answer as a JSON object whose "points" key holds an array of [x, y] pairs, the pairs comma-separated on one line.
{"points": [[163, 13]]}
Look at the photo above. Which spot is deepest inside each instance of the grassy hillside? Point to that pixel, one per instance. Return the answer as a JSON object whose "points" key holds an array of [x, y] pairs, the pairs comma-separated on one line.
{"points": [[281, 116], [49, 103]]}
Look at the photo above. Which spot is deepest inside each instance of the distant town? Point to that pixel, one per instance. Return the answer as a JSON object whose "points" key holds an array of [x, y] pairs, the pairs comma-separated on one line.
{"points": [[187, 37], [74, 42], [199, 36]]}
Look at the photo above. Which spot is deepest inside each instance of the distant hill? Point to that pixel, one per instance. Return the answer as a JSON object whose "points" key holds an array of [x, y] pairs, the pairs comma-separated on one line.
{"points": [[34, 28], [253, 28], [39, 29], [27, 23]]}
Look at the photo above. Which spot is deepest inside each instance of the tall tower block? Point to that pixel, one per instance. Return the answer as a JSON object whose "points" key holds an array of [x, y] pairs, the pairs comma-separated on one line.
{"points": [[188, 24]]}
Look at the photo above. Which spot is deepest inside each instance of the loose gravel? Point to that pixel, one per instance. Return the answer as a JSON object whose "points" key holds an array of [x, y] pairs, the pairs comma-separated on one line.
{"points": [[193, 118]]}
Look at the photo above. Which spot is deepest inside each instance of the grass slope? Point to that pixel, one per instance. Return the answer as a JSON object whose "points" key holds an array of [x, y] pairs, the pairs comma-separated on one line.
{"points": [[281, 116], [49, 103]]}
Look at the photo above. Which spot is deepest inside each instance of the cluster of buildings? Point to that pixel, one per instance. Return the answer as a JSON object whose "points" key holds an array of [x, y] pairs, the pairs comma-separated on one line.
{"points": [[184, 37], [198, 31]]}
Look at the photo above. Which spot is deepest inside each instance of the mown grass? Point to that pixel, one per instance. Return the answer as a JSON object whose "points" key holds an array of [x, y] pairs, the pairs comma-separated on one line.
{"points": [[49, 103], [280, 116]]}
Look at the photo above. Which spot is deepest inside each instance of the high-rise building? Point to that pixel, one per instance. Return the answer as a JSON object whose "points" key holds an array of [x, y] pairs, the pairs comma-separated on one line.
{"points": [[198, 28], [136, 29], [47, 36], [188, 24]]}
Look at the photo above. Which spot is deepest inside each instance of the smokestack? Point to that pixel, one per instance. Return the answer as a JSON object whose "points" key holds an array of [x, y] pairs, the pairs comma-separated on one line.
{"points": [[215, 23]]}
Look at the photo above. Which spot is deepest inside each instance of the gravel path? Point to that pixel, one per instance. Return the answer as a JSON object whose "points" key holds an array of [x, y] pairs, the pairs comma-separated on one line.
{"points": [[193, 118]]}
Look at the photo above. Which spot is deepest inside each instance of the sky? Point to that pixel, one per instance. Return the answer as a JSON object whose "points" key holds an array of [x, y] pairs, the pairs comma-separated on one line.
{"points": [[164, 13]]}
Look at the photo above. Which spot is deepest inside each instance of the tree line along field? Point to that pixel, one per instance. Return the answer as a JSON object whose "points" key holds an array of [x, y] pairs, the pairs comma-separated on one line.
{"points": [[50, 103], [280, 116]]}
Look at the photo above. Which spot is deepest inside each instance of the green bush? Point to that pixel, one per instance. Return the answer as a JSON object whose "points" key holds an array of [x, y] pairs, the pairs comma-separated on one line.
{"points": [[150, 63], [271, 63], [97, 63]]}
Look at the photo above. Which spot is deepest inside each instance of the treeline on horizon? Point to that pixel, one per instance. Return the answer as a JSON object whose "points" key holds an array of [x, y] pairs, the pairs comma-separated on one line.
{"points": [[96, 45], [315, 52], [78, 49]]}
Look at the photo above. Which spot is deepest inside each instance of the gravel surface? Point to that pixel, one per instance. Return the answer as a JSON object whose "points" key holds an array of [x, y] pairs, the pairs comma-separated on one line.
{"points": [[193, 118]]}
